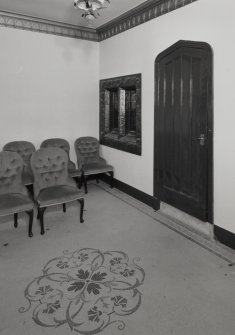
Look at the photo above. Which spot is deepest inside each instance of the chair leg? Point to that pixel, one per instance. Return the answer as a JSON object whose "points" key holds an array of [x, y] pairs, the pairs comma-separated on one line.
{"points": [[30, 189], [40, 215], [81, 201], [85, 183], [64, 208], [111, 180], [97, 180], [79, 182], [15, 220], [30, 213]]}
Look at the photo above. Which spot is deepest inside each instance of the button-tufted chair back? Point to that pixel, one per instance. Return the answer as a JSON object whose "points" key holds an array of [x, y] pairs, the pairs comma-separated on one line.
{"points": [[24, 149], [50, 168], [56, 143], [59, 143], [11, 167], [87, 150]]}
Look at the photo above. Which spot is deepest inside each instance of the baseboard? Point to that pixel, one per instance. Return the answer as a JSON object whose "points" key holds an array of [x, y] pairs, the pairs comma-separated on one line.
{"points": [[224, 236], [134, 192], [187, 220]]}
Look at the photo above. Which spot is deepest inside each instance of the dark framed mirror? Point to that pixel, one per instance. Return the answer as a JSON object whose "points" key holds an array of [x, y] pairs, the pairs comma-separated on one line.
{"points": [[120, 113]]}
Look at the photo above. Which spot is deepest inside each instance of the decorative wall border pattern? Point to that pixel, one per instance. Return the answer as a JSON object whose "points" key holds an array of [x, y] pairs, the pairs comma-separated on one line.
{"points": [[18, 21], [136, 16], [139, 15]]}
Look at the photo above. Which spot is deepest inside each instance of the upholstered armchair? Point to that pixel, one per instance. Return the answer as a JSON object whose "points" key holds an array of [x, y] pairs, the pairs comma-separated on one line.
{"points": [[64, 144], [25, 150], [14, 197], [89, 160], [52, 183], [60, 143]]}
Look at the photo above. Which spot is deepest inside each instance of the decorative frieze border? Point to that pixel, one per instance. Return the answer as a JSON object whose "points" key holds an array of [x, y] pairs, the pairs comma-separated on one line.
{"points": [[18, 21], [145, 12], [136, 16]]}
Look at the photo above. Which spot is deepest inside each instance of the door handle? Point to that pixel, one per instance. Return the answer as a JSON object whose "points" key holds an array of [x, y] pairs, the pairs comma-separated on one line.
{"points": [[201, 139]]}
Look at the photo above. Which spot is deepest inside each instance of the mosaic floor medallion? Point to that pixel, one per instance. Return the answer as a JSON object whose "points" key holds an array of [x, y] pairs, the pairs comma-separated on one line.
{"points": [[86, 290]]}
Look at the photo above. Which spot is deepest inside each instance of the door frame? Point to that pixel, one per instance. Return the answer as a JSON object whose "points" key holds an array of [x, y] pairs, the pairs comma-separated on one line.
{"points": [[210, 129]]}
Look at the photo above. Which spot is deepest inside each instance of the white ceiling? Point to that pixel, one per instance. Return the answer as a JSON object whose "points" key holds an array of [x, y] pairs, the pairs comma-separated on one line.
{"points": [[64, 11]]}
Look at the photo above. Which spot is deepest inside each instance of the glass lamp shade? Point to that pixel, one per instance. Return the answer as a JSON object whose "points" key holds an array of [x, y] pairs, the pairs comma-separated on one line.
{"points": [[91, 8], [95, 5], [81, 5], [87, 5], [90, 17], [105, 3], [90, 4]]}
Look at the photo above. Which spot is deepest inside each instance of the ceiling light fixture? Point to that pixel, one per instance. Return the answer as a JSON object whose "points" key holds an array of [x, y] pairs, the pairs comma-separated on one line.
{"points": [[91, 8]]}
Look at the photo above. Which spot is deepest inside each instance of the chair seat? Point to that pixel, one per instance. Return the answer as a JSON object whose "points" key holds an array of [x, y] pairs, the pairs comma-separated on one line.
{"points": [[14, 203], [59, 194], [75, 173], [96, 168]]}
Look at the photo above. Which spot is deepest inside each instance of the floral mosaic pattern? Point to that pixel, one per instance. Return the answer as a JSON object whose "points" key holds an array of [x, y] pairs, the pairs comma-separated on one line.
{"points": [[86, 290]]}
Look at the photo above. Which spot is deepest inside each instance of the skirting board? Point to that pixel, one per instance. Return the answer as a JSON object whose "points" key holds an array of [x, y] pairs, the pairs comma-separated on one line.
{"points": [[134, 192], [223, 236]]}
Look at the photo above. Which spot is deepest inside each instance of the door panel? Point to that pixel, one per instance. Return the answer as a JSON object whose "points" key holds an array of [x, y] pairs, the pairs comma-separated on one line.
{"points": [[181, 128]]}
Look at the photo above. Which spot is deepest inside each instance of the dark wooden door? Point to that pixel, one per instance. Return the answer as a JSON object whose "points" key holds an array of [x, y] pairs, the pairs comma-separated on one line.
{"points": [[183, 128]]}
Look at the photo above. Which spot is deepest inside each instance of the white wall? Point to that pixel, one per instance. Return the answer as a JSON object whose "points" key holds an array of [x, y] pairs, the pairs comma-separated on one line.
{"points": [[135, 51], [48, 87]]}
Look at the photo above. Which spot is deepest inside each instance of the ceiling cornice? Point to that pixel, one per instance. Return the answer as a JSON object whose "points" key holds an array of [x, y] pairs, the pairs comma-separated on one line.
{"points": [[138, 15], [143, 13], [31, 23]]}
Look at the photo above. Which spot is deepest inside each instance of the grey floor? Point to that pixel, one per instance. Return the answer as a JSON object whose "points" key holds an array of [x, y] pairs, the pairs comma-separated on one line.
{"points": [[187, 289]]}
